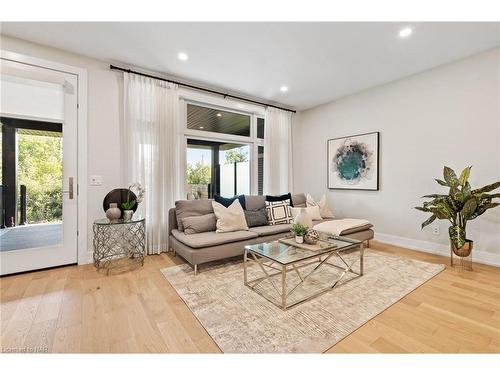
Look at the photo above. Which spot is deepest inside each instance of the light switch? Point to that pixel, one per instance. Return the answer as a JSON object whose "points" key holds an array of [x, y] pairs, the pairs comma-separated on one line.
{"points": [[95, 180]]}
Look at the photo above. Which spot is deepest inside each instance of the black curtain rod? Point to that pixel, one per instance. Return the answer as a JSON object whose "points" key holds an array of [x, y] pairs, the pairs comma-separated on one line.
{"points": [[113, 67]]}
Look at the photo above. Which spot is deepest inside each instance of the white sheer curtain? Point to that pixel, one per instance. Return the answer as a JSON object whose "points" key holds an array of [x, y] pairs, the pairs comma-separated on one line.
{"points": [[150, 148], [278, 177]]}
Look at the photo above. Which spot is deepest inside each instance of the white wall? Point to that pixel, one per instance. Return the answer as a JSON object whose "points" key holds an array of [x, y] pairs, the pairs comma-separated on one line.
{"points": [[104, 103], [445, 116]]}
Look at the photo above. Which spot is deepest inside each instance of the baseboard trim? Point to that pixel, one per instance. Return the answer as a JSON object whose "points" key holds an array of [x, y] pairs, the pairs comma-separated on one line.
{"points": [[435, 248]]}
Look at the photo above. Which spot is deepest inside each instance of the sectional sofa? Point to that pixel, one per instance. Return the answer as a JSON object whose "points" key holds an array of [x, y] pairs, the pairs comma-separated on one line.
{"points": [[199, 248]]}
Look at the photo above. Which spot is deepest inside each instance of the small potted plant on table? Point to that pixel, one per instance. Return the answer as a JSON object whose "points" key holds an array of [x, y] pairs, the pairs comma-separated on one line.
{"points": [[299, 231], [459, 206], [128, 205]]}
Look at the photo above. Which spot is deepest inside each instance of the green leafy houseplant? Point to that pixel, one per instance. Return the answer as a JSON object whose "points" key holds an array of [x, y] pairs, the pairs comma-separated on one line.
{"points": [[128, 205], [299, 229], [459, 206]]}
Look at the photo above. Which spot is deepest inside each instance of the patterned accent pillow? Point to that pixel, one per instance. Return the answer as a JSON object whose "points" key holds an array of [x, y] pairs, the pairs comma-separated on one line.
{"points": [[279, 212]]}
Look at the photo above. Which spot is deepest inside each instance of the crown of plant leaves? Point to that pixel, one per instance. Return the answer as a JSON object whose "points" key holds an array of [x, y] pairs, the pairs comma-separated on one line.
{"points": [[460, 205]]}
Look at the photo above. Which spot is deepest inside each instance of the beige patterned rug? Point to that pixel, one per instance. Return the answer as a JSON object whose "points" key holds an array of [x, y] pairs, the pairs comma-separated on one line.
{"points": [[241, 321]]}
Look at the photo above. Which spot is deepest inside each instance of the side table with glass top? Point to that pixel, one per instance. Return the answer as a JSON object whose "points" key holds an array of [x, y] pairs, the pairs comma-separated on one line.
{"points": [[118, 243]]}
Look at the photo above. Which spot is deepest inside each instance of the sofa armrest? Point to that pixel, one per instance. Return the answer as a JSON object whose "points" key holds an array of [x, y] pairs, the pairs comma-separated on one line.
{"points": [[172, 220]]}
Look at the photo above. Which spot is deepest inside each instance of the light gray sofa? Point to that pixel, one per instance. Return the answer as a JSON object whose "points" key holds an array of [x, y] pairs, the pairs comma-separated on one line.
{"points": [[199, 248]]}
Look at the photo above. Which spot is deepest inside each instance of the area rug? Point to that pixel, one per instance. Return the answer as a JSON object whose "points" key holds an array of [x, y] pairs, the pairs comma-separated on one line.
{"points": [[241, 321]]}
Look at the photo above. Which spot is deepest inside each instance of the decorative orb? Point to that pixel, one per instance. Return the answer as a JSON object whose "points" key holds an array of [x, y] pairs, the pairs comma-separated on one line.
{"points": [[311, 237]]}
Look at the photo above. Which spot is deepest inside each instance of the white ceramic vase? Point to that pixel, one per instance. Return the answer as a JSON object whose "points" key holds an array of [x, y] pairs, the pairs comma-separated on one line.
{"points": [[113, 212], [127, 215], [303, 218], [299, 239]]}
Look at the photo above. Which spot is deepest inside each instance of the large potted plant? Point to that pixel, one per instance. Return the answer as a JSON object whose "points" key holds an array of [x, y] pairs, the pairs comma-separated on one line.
{"points": [[459, 206]]}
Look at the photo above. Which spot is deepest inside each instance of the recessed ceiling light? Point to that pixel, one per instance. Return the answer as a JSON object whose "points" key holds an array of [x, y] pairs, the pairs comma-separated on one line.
{"points": [[183, 56], [405, 32], [284, 88], [219, 114], [201, 127]]}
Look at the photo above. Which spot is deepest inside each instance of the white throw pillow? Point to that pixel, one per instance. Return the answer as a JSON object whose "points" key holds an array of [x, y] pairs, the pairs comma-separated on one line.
{"points": [[312, 212], [324, 210], [279, 212], [229, 219]]}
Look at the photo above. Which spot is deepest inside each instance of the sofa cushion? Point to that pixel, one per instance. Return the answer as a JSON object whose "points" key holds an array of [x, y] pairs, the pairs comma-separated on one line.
{"points": [[199, 224], [255, 202], [196, 207], [279, 198], [226, 202], [324, 209], [347, 231], [206, 239], [279, 212], [299, 200], [229, 219], [256, 218], [356, 230], [267, 230]]}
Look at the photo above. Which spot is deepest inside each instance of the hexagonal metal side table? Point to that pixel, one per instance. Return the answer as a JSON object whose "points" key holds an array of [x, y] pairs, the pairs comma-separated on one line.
{"points": [[119, 243]]}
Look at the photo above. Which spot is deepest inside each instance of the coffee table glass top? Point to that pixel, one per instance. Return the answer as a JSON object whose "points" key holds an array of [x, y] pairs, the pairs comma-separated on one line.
{"points": [[286, 254]]}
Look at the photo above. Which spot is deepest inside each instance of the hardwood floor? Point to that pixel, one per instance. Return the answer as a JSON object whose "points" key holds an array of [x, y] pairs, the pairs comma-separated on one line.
{"points": [[76, 309]]}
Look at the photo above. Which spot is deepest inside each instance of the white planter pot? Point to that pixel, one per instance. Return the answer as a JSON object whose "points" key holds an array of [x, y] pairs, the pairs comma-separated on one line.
{"points": [[299, 239], [127, 215]]}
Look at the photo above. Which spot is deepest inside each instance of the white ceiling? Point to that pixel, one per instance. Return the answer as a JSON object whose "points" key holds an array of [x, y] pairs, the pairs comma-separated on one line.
{"points": [[319, 62]]}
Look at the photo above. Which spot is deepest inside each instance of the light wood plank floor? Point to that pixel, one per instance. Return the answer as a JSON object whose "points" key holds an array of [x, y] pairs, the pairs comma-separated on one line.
{"points": [[77, 309]]}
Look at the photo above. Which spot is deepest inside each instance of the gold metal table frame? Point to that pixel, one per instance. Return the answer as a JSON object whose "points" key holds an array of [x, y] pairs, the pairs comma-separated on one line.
{"points": [[267, 265]]}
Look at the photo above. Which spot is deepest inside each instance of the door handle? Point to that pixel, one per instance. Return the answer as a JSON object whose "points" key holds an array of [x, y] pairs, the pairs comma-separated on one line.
{"points": [[70, 188]]}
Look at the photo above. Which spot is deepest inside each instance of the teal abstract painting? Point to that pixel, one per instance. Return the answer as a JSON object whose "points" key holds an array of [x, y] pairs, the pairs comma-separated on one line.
{"points": [[353, 162]]}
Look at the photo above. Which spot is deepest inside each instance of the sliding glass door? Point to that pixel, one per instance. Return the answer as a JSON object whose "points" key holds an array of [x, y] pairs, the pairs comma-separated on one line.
{"points": [[217, 168]]}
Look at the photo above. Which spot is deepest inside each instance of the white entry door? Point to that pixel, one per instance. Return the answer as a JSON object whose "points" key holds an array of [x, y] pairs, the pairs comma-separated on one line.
{"points": [[39, 186]]}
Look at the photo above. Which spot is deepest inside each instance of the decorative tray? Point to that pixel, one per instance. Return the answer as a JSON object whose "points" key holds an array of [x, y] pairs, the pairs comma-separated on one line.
{"points": [[320, 245]]}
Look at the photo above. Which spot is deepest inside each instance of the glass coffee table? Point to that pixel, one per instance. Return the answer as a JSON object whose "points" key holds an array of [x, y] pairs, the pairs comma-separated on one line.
{"points": [[288, 275]]}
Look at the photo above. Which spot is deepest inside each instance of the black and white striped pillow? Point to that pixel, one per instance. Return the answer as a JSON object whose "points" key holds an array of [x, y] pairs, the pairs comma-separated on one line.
{"points": [[279, 212]]}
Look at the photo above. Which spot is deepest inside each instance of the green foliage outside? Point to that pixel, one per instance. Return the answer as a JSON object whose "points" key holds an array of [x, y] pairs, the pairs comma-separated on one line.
{"points": [[198, 173], [40, 169], [236, 155]]}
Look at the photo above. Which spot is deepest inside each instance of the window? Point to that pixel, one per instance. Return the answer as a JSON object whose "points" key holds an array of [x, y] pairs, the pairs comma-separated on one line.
{"points": [[218, 159], [217, 168], [217, 121], [260, 127], [260, 170]]}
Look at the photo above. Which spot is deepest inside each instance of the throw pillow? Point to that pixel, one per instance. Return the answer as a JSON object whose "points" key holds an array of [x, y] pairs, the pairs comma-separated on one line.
{"points": [[312, 211], [256, 218], [280, 198], [229, 219], [324, 210], [279, 212], [226, 202], [199, 224]]}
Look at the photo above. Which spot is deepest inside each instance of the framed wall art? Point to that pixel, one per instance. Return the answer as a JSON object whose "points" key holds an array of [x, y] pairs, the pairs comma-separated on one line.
{"points": [[353, 162]]}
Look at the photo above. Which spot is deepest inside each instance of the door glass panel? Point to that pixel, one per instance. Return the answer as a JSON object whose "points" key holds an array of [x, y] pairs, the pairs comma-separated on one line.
{"points": [[217, 168], [32, 178], [199, 170], [234, 162]]}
